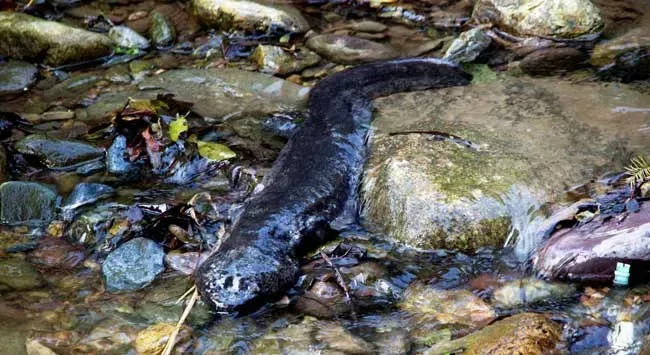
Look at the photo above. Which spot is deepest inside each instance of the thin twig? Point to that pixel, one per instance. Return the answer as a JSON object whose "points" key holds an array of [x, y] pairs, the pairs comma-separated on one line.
{"points": [[180, 299], [172, 337], [341, 282]]}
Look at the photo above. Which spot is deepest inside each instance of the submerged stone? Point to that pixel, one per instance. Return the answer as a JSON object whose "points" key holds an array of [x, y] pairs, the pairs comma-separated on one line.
{"points": [[529, 291], [291, 339], [519, 143], [543, 18], [58, 153], [337, 338], [228, 92], [17, 242], [152, 341], [34, 39], [18, 275], [132, 266], [16, 77], [27, 202], [249, 15], [350, 50], [524, 333], [430, 305]]}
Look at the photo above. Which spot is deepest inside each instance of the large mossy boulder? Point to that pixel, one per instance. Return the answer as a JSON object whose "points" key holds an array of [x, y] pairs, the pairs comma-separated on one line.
{"points": [[524, 333], [34, 39], [544, 18], [478, 158]]}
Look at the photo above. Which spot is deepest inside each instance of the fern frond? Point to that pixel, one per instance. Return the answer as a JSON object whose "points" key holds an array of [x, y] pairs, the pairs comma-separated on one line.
{"points": [[638, 171]]}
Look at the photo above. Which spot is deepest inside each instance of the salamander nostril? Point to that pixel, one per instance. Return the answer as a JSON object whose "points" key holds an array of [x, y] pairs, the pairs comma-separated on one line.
{"points": [[228, 282]]}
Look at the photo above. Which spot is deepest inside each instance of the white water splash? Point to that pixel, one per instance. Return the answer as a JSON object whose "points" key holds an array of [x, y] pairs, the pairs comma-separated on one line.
{"points": [[527, 229]]}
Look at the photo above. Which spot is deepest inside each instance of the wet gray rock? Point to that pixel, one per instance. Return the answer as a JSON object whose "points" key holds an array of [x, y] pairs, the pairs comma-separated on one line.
{"points": [[27, 202], [627, 56], [125, 37], [72, 90], [229, 93], [249, 15], [34, 39], [467, 46], [162, 31], [133, 265], [116, 160], [83, 194], [58, 153], [522, 141], [274, 60], [550, 61], [118, 74], [549, 18], [18, 275], [16, 77], [349, 50]]}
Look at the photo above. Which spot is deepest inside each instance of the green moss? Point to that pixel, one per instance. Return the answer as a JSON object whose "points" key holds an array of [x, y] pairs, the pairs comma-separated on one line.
{"points": [[481, 73], [34, 39], [524, 333]]}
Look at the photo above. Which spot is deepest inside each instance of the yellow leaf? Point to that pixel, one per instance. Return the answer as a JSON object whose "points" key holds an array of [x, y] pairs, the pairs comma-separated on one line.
{"points": [[176, 127], [215, 151]]}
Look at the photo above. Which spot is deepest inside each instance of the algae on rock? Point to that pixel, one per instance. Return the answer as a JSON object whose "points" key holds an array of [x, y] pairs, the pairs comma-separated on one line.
{"points": [[524, 333], [31, 38], [544, 18], [249, 15], [505, 146]]}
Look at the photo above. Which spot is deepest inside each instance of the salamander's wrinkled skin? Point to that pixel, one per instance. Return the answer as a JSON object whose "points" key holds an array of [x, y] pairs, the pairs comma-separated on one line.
{"points": [[312, 183]]}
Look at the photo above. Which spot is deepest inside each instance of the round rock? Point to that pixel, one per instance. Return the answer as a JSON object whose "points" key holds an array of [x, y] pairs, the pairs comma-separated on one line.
{"points": [[551, 61], [133, 265], [249, 15], [350, 50], [16, 77]]}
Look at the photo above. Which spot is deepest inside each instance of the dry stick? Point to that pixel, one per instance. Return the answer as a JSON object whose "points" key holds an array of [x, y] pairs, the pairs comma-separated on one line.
{"points": [[172, 338], [341, 283]]}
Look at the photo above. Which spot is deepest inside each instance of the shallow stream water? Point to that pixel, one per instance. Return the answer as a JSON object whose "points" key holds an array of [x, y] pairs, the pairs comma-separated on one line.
{"points": [[54, 299]]}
